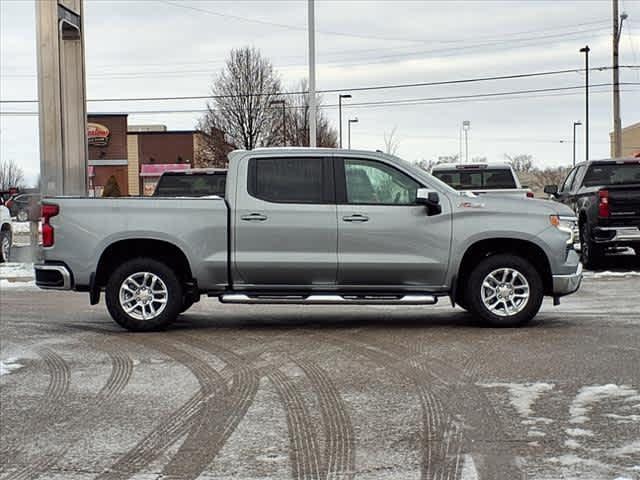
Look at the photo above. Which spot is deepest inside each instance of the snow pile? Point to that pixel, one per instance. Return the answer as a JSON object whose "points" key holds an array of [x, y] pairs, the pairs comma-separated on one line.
{"points": [[523, 395], [21, 227], [587, 396], [8, 365], [16, 271], [610, 274]]}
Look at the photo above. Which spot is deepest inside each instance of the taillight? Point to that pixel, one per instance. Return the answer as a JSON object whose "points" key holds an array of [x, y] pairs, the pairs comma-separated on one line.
{"points": [[530, 195], [48, 210], [603, 205]]}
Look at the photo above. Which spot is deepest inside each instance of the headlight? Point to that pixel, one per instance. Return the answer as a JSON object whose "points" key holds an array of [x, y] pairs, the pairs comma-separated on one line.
{"points": [[568, 225]]}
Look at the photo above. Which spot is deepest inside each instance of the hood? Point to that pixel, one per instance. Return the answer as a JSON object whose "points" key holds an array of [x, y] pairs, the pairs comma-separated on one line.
{"points": [[500, 203]]}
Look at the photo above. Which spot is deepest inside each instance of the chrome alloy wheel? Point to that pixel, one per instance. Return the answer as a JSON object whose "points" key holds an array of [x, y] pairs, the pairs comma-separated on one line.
{"points": [[143, 295], [5, 247], [505, 292]]}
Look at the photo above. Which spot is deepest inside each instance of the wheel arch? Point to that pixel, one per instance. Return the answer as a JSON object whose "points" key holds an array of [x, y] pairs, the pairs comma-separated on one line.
{"points": [[493, 246]]}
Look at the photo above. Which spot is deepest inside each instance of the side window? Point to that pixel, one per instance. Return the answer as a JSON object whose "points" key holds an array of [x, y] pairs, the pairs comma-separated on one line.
{"points": [[566, 186], [370, 182], [287, 180], [574, 184]]}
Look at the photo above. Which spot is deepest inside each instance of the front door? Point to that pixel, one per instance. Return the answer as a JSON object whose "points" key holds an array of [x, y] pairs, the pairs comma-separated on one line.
{"points": [[385, 239], [285, 231]]}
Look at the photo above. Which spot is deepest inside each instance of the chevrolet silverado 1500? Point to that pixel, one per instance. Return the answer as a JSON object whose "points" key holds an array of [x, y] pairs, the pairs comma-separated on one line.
{"points": [[312, 226]]}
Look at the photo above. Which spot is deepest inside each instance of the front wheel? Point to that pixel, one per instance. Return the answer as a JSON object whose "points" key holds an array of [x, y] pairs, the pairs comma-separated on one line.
{"points": [[144, 294], [591, 253], [505, 290]]}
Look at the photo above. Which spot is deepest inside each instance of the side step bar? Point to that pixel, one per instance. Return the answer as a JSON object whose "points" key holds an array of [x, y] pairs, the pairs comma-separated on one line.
{"points": [[329, 299]]}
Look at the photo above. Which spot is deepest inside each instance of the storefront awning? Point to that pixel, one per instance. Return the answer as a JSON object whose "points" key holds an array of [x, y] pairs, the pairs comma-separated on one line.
{"points": [[157, 169]]}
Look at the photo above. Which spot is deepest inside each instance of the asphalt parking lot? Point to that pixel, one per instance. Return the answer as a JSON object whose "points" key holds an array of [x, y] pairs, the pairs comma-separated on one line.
{"points": [[255, 392]]}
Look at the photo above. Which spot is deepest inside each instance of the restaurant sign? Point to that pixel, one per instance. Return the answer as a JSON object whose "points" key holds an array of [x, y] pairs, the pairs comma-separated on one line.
{"points": [[97, 135]]}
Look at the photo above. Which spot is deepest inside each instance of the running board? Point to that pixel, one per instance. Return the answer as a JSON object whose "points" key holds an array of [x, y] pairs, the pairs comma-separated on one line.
{"points": [[329, 299]]}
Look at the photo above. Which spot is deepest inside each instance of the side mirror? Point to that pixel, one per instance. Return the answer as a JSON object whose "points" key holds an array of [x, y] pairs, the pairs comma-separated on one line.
{"points": [[551, 189], [430, 199]]}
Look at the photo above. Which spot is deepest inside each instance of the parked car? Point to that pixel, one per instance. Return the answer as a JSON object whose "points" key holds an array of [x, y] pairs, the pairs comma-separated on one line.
{"points": [[6, 234], [195, 182], [23, 205], [482, 178], [312, 226], [605, 196]]}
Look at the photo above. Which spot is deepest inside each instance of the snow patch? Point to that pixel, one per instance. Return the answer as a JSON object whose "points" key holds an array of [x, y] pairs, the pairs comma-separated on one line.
{"points": [[571, 443], [469, 471], [587, 396], [523, 395], [579, 432], [6, 284], [9, 365], [16, 270], [629, 449], [610, 274], [21, 227], [623, 418]]}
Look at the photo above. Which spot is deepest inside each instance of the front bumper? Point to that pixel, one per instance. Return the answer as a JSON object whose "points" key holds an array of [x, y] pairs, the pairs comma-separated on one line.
{"points": [[567, 284], [53, 277]]}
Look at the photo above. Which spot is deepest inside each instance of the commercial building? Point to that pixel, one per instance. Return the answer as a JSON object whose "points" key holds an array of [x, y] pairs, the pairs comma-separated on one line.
{"points": [[136, 155], [630, 141]]}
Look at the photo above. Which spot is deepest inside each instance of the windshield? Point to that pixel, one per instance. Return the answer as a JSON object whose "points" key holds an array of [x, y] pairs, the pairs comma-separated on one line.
{"points": [[486, 179], [191, 185], [612, 174]]}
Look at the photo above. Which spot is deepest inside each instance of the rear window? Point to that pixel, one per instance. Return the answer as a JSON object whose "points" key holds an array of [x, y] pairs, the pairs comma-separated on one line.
{"points": [[287, 180], [612, 174], [191, 185], [485, 179]]}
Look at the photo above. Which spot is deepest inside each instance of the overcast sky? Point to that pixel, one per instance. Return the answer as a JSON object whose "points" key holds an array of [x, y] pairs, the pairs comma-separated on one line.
{"points": [[174, 48]]}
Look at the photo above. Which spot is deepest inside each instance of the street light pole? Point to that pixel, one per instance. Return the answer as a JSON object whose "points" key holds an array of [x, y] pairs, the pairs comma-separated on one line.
{"points": [[586, 51], [312, 73], [575, 124], [351, 120], [340, 97], [284, 119], [617, 122], [466, 125]]}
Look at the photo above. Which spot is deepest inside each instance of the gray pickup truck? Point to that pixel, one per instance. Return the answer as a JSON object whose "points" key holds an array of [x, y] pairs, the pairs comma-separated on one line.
{"points": [[312, 226]]}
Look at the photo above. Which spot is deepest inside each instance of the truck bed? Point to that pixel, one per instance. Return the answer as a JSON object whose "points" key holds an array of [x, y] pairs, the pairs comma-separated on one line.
{"points": [[85, 227]]}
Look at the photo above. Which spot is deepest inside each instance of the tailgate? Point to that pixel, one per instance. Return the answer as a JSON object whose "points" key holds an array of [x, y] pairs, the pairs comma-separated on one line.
{"points": [[624, 205]]}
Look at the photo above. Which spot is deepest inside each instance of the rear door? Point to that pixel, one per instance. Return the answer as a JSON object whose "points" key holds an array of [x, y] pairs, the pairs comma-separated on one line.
{"points": [[285, 223], [385, 239]]}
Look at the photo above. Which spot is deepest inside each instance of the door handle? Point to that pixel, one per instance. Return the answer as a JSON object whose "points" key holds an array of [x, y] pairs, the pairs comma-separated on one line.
{"points": [[254, 217], [356, 218]]}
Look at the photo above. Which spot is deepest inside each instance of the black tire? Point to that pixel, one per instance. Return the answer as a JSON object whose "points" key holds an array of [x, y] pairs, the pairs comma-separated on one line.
{"points": [[186, 305], [591, 253], [172, 285], [5, 246], [497, 262]]}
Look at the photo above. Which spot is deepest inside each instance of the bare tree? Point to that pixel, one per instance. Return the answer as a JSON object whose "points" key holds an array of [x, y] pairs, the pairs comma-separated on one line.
{"points": [[242, 93], [391, 142], [11, 175], [429, 164], [520, 163], [297, 121]]}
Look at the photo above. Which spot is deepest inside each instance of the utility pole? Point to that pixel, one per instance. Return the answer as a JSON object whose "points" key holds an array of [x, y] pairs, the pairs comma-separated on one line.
{"points": [[312, 74], [575, 124], [61, 97], [586, 51], [617, 122], [340, 97]]}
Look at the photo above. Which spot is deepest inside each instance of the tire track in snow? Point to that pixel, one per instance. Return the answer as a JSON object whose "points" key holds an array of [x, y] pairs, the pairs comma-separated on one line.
{"points": [[339, 455], [219, 419], [174, 427], [121, 370]]}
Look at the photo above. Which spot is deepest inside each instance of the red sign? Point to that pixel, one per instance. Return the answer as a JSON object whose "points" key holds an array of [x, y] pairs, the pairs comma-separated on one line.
{"points": [[97, 135]]}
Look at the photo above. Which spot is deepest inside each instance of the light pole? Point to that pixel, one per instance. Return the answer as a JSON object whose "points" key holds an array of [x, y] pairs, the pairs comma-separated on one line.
{"points": [[312, 73], [617, 122], [284, 119], [586, 51], [351, 120], [340, 97], [466, 125], [575, 124]]}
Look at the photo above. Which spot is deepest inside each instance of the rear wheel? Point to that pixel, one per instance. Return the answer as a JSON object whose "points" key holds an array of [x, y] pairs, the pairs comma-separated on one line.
{"points": [[5, 246], [591, 253], [144, 294], [505, 290], [22, 216]]}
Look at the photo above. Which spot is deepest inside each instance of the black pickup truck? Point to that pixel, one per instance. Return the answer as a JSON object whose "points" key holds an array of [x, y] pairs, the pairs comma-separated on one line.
{"points": [[605, 194]]}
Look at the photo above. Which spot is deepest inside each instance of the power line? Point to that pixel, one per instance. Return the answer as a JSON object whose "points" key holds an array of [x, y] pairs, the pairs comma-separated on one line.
{"points": [[353, 89], [400, 102]]}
